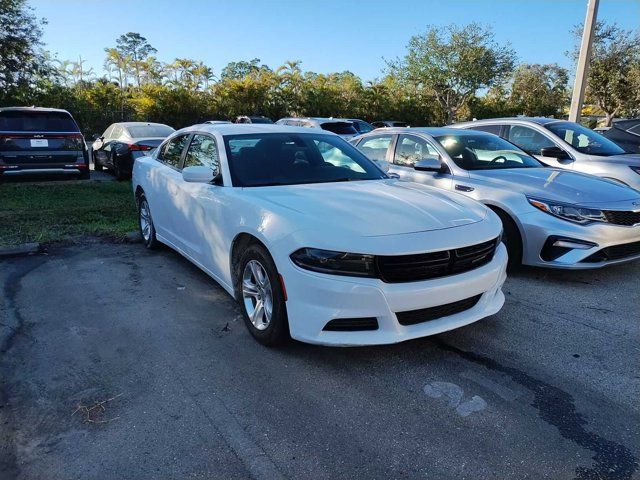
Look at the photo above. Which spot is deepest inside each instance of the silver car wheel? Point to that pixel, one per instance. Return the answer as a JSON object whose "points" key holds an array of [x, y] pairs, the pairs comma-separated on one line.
{"points": [[145, 220], [257, 294]]}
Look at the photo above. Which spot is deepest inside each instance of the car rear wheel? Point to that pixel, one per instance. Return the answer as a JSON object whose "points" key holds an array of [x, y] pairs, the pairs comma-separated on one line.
{"points": [[262, 297], [145, 221], [97, 166]]}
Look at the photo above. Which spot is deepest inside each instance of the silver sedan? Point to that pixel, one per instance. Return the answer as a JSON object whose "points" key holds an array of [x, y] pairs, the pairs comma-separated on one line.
{"points": [[566, 145], [551, 217]]}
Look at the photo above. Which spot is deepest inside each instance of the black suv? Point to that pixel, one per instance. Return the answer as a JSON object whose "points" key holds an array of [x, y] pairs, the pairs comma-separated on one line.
{"points": [[37, 140]]}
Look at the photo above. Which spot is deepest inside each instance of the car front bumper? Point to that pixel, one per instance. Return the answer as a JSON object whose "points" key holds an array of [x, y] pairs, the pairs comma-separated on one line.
{"points": [[314, 299], [537, 227]]}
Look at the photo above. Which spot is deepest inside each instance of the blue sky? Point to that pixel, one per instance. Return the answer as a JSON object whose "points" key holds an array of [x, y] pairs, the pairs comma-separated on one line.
{"points": [[327, 35]]}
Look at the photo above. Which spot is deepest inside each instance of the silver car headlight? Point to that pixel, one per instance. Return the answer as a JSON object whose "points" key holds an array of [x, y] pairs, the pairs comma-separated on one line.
{"points": [[572, 213]]}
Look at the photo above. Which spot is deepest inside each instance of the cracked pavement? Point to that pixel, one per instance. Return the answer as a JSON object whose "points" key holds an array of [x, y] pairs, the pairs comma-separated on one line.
{"points": [[547, 388]]}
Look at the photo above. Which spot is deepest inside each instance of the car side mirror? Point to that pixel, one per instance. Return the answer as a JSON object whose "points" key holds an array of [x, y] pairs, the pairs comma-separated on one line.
{"points": [[428, 164], [554, 152], [198, 174]]}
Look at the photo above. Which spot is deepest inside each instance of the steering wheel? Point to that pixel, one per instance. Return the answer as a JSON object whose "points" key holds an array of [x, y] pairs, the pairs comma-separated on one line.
{"points": [[498, 158]]}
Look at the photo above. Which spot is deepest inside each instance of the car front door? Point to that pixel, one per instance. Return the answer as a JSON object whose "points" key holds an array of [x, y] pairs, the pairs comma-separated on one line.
{"points": [[164, 201], [99, 152], [199, 216], [532, 141], [410, 149]]}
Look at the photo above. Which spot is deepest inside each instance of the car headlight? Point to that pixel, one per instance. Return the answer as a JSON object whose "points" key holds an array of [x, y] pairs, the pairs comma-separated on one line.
{"points": [[336, 263], [635, 169], [568, 212]]}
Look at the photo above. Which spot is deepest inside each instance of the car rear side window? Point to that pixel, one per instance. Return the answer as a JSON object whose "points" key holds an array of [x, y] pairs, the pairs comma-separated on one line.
{"points": [[495, 129], [375, 148], [37, 121], [203, 151], [172, 151]]}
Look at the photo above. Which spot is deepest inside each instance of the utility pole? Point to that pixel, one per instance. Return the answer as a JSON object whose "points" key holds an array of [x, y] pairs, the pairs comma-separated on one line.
{"points": [[580, 82]]}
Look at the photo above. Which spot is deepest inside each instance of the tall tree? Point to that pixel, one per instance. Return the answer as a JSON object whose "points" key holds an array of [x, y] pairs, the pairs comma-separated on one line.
{"points": [[136, 47], [613, 56], [539, 90], [238, 70], [21, 55], [453, 63]]}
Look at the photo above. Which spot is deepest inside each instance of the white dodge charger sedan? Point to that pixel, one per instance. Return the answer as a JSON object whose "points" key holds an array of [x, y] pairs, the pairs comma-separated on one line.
{"points": [[314, 240]]}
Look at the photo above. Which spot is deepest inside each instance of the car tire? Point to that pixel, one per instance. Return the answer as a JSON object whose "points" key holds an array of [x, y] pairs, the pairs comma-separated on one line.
{"points": [[145, 223], [97, 166], [85, 175], [117, 167], [511, 239], [261, 297]]}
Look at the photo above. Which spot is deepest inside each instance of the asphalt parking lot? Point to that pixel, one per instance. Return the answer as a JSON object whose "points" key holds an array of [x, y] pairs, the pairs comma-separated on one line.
{"points": [[547, 388]]}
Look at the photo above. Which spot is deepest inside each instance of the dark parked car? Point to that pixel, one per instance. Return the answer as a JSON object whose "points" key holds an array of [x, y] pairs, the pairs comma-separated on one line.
{"points": [[361, 126], [37, 140], [625, 133], [389, 123], [121, 143], [253, 119]]}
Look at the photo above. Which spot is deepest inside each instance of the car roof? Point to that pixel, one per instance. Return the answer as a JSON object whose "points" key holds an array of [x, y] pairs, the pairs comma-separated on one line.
{"points": [[137, 124], [32, 109], [432, 131], [319, 120], [538, 120], [247, 128]]}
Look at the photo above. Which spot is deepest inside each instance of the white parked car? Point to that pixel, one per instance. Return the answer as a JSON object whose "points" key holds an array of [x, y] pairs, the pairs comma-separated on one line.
{"points": [[314, 240]]}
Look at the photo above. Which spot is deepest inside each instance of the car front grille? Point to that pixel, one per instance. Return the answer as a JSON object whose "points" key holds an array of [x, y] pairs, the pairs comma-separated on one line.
{"points": [[413, 317], [424, 266], [615, 252], [622, 218]]}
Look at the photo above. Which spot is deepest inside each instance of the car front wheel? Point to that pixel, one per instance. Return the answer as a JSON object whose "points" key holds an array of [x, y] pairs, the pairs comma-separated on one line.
{"points": [[262, 297], [147, 229]]}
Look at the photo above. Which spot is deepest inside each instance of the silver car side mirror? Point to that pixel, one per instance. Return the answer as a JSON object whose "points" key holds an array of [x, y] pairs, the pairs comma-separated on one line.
{"points": [[198, 174], [428, 164]]}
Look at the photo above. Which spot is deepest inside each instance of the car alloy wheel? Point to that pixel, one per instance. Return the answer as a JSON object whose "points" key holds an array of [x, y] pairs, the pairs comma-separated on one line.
{"points": [[145, 220], [257, 294]]}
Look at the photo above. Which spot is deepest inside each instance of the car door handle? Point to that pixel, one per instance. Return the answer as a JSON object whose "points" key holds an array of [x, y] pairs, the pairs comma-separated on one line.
{"points": [[464, 188]]}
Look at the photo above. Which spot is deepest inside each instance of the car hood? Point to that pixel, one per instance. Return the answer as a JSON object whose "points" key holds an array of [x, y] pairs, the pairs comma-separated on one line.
{"points": [[372, 208], [557, 184]]}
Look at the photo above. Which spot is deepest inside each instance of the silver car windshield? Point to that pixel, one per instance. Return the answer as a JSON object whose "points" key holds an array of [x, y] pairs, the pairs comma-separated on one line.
{"points": [[485, 152], [584, 139]]}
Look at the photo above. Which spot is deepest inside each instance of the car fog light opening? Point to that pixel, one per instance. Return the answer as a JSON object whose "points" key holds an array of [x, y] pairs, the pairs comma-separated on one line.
{"points": [[555, 247]]}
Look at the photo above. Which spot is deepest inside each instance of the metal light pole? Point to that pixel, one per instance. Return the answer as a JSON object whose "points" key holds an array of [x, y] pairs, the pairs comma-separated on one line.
{"points": [[580, 83]]}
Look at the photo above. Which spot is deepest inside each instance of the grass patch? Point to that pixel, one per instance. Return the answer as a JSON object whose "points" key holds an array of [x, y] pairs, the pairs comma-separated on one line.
{"points": [[51, 212]]}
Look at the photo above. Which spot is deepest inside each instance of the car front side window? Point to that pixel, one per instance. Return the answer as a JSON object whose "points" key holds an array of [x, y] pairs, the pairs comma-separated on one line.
{"points": [[410, 150], [171, 153], [203, 151], [528, 139]]}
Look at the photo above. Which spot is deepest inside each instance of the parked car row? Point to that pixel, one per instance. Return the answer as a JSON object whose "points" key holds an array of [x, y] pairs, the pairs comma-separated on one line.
{"points": [[397, 234]]}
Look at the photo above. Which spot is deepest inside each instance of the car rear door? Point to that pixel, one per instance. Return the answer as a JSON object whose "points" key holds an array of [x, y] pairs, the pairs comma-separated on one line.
{"points": [[40, 140]]}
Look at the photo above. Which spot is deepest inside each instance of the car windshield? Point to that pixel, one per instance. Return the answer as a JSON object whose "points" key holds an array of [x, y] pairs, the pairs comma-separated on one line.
{"points": [[584, 139], [484, 152], [341, 128], [141, 131], [36, 121], [265, 159]]}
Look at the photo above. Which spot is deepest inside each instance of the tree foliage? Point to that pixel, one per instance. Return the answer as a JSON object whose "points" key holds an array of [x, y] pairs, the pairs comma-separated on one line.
{"points": [[453, 63], [615, 57]]}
